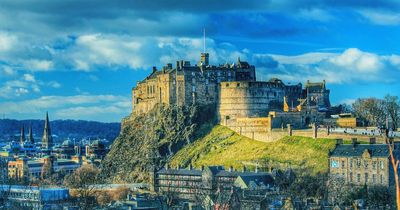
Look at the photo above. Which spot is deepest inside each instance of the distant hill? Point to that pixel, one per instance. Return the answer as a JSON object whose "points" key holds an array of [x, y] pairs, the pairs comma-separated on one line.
{"points": [[9, 129]]}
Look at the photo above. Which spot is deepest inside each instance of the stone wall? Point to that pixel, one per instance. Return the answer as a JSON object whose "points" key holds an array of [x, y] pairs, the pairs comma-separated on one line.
{"points": [[248, 99]]}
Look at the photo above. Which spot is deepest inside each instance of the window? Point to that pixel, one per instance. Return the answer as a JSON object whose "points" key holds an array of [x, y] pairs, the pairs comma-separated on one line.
{"points": [[358, 163], [374, 178], [358, 177], [365, 163], [374, 165], [351, 176], [366, 177], [351, 163], [381, 177], [342, 163], [382, 164]]}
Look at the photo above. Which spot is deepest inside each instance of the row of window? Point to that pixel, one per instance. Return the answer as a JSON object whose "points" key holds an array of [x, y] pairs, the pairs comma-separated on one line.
{"points": [[374, 179], [365, 164]]}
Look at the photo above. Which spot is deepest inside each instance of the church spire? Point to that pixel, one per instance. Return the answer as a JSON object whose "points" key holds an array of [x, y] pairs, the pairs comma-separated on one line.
{"points": [[22, 137], [30, 135], [47, 141]]}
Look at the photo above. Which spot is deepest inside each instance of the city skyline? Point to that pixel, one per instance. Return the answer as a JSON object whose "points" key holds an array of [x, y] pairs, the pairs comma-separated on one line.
{"points": [[80, 60]]}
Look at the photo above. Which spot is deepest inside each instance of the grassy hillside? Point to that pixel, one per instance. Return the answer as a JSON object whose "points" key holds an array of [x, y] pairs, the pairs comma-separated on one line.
{"points": [[222, 146]]}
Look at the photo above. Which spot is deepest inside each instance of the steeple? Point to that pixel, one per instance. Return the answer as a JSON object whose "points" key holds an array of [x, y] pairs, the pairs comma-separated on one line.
{"points": [[47, 140], [30, 135], [22, 137]]}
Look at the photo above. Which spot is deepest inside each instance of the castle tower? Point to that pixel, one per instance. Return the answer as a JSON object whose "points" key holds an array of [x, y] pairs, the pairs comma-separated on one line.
{"points": [[47, 140], [22, 137], [30, 135]]}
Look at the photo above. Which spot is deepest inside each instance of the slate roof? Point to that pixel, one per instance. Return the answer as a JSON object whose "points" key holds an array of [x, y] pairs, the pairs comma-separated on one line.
{"points": [[215, 170], [350, 150]]}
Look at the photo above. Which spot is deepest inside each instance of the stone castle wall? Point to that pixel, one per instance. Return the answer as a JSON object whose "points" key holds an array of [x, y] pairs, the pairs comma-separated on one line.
{"points": [[248, 99], [186, 84]]}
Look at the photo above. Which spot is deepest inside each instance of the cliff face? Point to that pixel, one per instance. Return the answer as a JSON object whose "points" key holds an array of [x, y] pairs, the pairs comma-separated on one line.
{"points": [[152, 139]]}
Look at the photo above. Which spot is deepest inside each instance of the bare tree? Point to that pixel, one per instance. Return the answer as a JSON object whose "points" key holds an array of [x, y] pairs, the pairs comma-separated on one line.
{"points": [[83, 182], [395, 163], [392, 108]]}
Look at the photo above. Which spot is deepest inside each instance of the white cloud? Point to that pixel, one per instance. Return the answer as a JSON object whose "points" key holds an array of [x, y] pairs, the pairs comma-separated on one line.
{"points": [[29, 78], [7, 41], [381, 17], [38, 65], [50, 102], [54, 84], [316, 14], [355, 59], [350, 66]]}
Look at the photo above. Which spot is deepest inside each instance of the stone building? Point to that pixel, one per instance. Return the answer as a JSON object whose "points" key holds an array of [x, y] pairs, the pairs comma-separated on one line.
{"points": [[187, 84], [188, 184], [24, 168], [361, 164]]}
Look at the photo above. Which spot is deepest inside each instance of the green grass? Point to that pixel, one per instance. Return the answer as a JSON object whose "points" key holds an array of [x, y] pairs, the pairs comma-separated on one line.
{"points": [[223, 146]]}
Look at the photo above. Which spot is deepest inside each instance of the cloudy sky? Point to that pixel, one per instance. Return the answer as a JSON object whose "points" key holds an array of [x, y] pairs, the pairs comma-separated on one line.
{"points": [[80, 59]]}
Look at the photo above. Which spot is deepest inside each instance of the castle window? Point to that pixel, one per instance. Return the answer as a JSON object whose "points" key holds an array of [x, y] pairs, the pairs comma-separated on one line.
{"points": [[374, 178], [351, 176], [358, 177], [365, 163], [374, 165], [382, 164], [366, 177], [351, 163], [342, 163], [381, 177]]}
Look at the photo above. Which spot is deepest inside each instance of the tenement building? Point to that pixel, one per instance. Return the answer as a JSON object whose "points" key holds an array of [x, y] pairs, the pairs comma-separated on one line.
{"points": [[361, 164], [188, 184]]}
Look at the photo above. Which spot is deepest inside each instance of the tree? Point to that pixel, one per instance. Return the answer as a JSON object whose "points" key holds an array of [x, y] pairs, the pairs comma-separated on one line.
{"points": [[370, 110], [392, 109], [395, 163], [83, 182]]}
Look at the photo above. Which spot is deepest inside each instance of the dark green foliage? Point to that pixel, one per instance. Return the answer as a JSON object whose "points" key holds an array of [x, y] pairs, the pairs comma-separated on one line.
{"points": [[151, 140]]}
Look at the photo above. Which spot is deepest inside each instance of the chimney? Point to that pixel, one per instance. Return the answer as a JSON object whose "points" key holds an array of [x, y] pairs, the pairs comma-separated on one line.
{"points": [[178, 66], [372, 140], [154, 69], [202, 168], [354, 141], [244, 168], [230, 169], [339, 141]]}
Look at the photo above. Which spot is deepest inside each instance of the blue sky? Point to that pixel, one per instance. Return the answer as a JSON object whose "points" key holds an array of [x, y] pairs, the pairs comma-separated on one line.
{"points": [[79, 60]]}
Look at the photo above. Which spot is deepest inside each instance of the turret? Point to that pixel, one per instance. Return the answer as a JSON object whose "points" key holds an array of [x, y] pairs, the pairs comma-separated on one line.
{"points": [[30, 136], [47, 140], [22, 136]]}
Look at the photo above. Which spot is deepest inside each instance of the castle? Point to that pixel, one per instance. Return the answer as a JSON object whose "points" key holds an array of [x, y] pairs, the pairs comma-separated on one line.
{"points": [[240, 100]]}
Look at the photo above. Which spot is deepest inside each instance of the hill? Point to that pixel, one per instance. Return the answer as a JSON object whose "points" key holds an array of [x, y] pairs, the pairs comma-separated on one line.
{"points": [[9, 129], [223, 146]]}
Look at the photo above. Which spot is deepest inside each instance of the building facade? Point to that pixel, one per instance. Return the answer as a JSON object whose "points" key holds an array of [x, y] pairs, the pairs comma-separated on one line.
{"points": [[23, 168], [188, 184], [361, 164]]}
